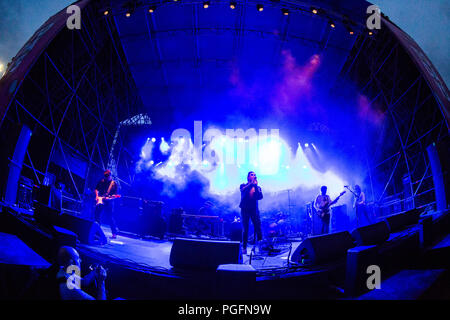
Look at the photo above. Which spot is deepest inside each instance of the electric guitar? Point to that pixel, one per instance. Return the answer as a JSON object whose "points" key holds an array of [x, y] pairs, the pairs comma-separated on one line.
{"points": [[100, 200], [326, 208]]}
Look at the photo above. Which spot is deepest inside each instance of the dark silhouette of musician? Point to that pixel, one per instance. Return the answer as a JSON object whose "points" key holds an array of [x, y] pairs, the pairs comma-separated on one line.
{"points": [[322, 203], [106, 187], [359, 204], [250, 195]]}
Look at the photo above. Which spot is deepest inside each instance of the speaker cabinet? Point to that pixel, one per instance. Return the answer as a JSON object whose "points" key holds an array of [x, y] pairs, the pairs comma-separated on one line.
{"points": [[88, 231], [402, 220], [339, 218], [203, 254], [372, 234], [324, 248]]}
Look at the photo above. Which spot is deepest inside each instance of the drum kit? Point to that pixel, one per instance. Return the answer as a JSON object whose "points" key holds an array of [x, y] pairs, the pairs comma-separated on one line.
{"points": [[279, 225]]}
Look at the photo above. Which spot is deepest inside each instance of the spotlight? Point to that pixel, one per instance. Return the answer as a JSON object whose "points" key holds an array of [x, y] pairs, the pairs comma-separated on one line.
{"points": [[259, 7], [349, 29], [152, 162], [285, 11], [314, 10], [153, 139], [332, 24], [106, 12], [233, 5], [306, 145], [206, 4], [129, 7], [152, 9], [370, 33]]}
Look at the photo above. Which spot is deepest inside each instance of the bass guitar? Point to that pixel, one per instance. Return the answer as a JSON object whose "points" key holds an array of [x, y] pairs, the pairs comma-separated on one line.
{"points": [[326, 208]]}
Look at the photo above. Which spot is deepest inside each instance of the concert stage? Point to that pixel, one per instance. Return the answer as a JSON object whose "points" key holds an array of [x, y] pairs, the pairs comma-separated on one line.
{"points": [[141, 268], [155, 254], [141, 263], [189, 125]]}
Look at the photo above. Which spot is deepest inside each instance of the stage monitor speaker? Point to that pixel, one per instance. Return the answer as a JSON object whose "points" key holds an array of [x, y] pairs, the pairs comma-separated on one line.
{"points": [[203, 254], [88, 231], [372, 234], [402, 220], [324, 248]]}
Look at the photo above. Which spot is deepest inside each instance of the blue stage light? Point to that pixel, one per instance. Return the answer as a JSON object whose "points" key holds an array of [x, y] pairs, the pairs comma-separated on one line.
{"points": [[164, 146]]}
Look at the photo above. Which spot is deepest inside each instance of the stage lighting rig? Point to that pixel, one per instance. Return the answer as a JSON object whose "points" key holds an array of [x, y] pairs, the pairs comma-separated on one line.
{"points": [[259, 7], [130, 7]]}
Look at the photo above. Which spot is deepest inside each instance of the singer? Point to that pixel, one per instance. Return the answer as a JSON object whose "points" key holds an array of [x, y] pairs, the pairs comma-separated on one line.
{"points": [[250, 195]]}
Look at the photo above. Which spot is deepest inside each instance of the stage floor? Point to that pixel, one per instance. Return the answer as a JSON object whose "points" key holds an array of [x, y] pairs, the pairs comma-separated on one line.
{"points": [[156, 253]]}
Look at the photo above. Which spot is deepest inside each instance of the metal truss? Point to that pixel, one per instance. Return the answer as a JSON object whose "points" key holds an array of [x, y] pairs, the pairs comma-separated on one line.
{"points": [[388, 77], [74, 98]]}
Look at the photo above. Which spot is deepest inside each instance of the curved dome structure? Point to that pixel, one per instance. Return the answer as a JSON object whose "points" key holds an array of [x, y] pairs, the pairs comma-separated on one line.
{"points": [[308, 68]]}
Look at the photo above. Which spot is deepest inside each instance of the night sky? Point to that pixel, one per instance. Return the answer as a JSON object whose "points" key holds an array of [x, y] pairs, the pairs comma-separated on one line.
{"points": [[427, 21]]}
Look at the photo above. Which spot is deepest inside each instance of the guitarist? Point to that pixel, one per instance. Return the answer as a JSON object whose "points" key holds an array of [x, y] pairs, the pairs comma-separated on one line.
{"points": [[106, 187], [322, 205]]}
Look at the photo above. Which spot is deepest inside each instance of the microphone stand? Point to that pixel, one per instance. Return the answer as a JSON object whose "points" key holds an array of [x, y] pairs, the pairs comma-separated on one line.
{"points": [[351, 191]]}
